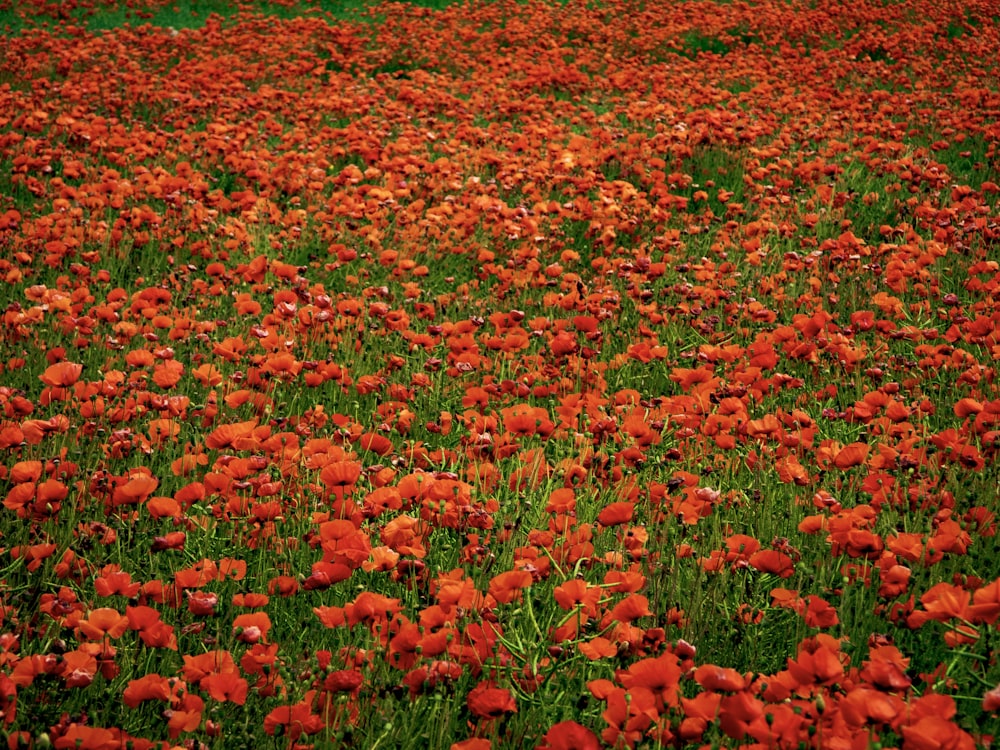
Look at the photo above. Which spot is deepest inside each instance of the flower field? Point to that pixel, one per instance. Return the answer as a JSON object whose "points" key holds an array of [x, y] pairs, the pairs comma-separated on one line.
{"points": [[608, 374]]}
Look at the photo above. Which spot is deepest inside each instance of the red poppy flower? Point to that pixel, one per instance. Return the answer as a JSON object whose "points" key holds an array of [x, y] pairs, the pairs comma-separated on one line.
{"points": [[821, 665], [371, 607], [343, 681], [486, 701], [10, 436], [152, 630], [569, 735], [173, 540], [863, 704], [202, 603], [376, 443], [114, 581], [199, 666], [473, 743], [819, 613], [82, 737], [933, 732], [772, 561], [8, 701], [294, 720], [886, 668], [232, 569], [991, 700], [660, 675], [716, 678]]}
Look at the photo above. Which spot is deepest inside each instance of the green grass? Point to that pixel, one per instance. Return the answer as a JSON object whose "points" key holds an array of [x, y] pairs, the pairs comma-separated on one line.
{"points": [[183, 14]]}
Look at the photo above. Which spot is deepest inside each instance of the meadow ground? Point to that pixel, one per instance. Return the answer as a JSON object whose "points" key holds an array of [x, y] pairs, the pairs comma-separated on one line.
{"points": [[499, 375]]}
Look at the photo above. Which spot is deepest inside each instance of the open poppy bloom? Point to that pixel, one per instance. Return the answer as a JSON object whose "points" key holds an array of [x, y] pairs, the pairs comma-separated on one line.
{"points": [[569, 735], [104, 622], [61, 374], [294, 720], [488, 701], [506, 587]]}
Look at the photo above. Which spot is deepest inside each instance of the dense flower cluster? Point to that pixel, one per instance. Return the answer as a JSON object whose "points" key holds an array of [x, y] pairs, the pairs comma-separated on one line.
{"points": [[590, 375]]}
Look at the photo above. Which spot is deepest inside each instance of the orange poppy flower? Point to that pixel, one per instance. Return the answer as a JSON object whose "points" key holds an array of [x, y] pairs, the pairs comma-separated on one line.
{"points": [[198, 666], [163, 507], [114, 581], [103, 622], [252, 600], [617, 513], [226, 686], [208, 375], [167, 374], [187, 716], [10, 436], [340, 473], [150, 687], [382, 559], [378, 444], [576, 592], [506, 587], [598, 648], [791, 471], [854, 454], [252, 627], [228, 434], [135, 489], [61, 374], [78, 668], [25, 472]]}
